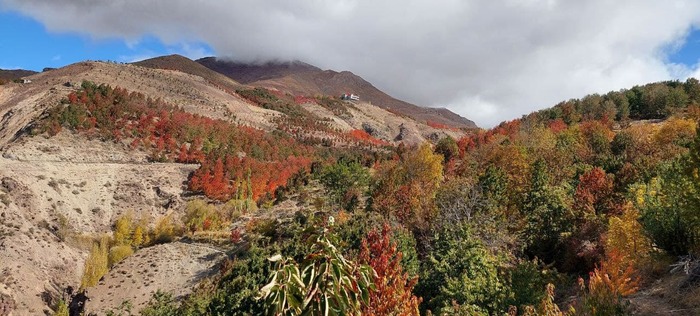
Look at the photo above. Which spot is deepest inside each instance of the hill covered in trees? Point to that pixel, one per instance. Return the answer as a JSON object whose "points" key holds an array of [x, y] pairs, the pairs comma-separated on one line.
{"points": [[589, 207], [569, 210]]}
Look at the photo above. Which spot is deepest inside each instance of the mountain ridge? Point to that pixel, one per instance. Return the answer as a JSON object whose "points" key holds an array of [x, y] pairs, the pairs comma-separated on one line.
{"points": [[301, 78]]}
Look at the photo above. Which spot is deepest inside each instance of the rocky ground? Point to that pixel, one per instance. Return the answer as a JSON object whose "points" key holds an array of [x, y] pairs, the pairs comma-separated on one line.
{"points": [[175, 268]]}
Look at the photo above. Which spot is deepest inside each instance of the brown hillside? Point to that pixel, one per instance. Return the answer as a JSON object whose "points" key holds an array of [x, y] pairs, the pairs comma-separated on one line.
{"points": [[9, 75], [301, 78], [188, 66]]}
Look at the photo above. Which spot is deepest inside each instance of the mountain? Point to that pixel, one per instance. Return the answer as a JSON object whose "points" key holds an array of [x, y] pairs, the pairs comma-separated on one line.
{"points": [[9, 75], [186, 65], [299, 78]]}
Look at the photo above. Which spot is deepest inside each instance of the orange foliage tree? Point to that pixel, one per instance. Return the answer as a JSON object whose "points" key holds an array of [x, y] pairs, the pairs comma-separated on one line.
{"points": [[407, 188], [594, 192], [393, 292]]}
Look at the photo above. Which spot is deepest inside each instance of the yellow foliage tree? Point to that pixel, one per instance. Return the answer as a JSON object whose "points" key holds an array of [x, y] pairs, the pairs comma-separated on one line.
{"points": [[407, 188], [119, 253], [165, 229], [626, 236], [97, 263], [139, 237], [123, 230]]}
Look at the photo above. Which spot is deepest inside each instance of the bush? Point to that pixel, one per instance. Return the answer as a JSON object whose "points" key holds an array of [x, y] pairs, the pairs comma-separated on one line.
{"points": [[160, 304], [119, 253], [200, 216], [324, 281], [607, 286], [96, 265], [165, 230], [61, 309]]}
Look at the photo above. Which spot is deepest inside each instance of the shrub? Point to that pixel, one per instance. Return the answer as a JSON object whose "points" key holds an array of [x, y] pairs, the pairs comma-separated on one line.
{"points": [[198, 214], [547, 306], [160, 304], [119, 253], [608, 284], [165, 230], [325, 281], [61, 309]]}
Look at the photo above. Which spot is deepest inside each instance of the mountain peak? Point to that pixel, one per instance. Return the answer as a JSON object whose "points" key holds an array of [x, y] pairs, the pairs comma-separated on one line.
{"points": [[300, 78]]}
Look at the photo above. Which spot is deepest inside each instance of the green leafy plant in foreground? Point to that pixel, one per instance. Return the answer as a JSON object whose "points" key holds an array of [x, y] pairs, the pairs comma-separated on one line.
{"points": [[325, 283]]}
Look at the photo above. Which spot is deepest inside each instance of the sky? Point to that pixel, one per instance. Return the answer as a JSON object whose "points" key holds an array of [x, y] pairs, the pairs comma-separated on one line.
{"points": [[486, 60]]}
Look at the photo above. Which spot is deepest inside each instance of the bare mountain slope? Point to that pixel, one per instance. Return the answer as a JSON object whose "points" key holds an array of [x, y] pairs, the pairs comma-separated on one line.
{"points": [[188, 66], [56, 192], [303, 79], [13, 74]]}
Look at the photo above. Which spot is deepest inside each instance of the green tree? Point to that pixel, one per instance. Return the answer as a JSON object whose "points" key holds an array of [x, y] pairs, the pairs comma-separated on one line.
{"points": [[670, 206], [447, 147], [346, 181], [460, 270], [547, 214]]}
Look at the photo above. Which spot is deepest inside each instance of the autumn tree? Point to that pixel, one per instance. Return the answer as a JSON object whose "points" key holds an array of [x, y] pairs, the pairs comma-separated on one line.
{"points": [[406, 188], [627, 238], [97, 263], [594, 193], [123, 230], [393, 288]]}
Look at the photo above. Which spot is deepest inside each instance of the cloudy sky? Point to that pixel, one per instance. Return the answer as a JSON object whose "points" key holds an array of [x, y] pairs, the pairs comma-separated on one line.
{"points": [[486, 60]]}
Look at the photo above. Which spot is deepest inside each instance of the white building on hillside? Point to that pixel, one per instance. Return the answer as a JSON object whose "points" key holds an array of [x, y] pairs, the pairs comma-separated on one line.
{"points": [[352, 97]]}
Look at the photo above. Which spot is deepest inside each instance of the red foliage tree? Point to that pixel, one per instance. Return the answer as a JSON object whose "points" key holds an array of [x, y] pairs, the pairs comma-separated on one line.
{"points": [[393, 288], [594, 193]]}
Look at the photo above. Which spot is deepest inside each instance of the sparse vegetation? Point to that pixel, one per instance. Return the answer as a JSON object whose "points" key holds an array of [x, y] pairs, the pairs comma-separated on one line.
{"points": [[97, 263]]}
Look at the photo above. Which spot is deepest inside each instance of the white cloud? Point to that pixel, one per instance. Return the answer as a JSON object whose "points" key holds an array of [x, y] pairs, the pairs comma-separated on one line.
{"points": [[487, 60]]}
